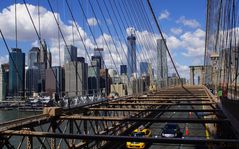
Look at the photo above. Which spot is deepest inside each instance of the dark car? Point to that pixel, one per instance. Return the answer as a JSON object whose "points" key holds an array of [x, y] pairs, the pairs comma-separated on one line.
{"points": [[171, 131]]}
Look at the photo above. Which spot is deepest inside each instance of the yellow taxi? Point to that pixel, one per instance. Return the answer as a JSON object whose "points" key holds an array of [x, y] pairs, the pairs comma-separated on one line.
{"points": [[140, 132]]}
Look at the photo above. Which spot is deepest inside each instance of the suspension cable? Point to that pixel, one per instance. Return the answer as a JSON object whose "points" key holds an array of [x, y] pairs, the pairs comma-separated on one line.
{"points": [[155, 20]]}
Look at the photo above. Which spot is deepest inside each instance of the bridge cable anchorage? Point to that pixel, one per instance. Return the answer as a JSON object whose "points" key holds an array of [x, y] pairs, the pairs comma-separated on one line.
{"points": [[155, 20]]}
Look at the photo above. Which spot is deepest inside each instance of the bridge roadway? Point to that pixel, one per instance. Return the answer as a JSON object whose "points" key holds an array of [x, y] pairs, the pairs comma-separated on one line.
{"points": [[194, 130], [107, 124]]}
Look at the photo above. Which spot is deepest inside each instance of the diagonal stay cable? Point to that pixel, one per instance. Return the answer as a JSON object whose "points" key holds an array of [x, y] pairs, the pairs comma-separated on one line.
{"points": [[125, 23], [107, 28], [40, 40], [74, 20], [155, 20], [78, 31], [64, 40], [141, 23], [122, 33], [146, 17], [8, 49], [101, 33], [133, 21]]}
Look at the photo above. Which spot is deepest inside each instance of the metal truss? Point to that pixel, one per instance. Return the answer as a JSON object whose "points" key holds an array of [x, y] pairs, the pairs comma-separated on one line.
{"points": [[103, 123]]}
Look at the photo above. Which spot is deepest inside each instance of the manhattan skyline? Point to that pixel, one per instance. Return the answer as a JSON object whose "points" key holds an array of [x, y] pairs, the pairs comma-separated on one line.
{"points": [[178, 28]]}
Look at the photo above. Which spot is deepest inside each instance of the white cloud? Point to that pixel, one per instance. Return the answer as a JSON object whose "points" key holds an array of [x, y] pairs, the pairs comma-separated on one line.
{"points": [[92, 21], [194, 42], [173, 42], [188, 22], [4, 59], [189, 46], [25, 27], [176, 31], [49, 29], [183, 70], [35, 43], [223, 36], [164, 15], [49, 32]]}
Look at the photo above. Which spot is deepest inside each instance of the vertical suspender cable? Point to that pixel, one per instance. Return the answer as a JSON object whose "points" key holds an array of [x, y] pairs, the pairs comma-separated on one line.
{"points": [[39, 19], [16, 20]]}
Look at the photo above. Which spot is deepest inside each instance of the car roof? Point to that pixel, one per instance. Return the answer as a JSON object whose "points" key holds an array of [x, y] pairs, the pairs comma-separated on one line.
{"points": [[137, 130], [171, 125]]}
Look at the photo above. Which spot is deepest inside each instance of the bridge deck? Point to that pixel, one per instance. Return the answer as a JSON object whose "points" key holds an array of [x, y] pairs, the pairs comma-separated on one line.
{"points": [[108, 123]]}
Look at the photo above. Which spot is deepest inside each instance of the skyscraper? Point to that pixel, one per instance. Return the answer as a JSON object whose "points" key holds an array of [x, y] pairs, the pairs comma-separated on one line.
{"points": [[162, 67], [99, 52], [32, 71], [144, 68], [76, 78], [49, 60], [4, 75], [93, 78], [76, 71], [123, 69], [150, 72], [16, 72], [131, 54], [98, 57], [54, 80], [43, 53], [104, 81], [70, 53], [33, 57], [5, 80], [32, 80], [98, 60], [44, 63]]}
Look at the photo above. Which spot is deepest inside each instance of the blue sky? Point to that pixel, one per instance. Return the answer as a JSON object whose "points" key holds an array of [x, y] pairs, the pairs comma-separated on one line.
{"points": [[182, 22]]}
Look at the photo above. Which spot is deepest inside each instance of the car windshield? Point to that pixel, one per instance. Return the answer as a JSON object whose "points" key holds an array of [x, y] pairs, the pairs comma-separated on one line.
{"points": [[171, 126], [138, 134]]}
